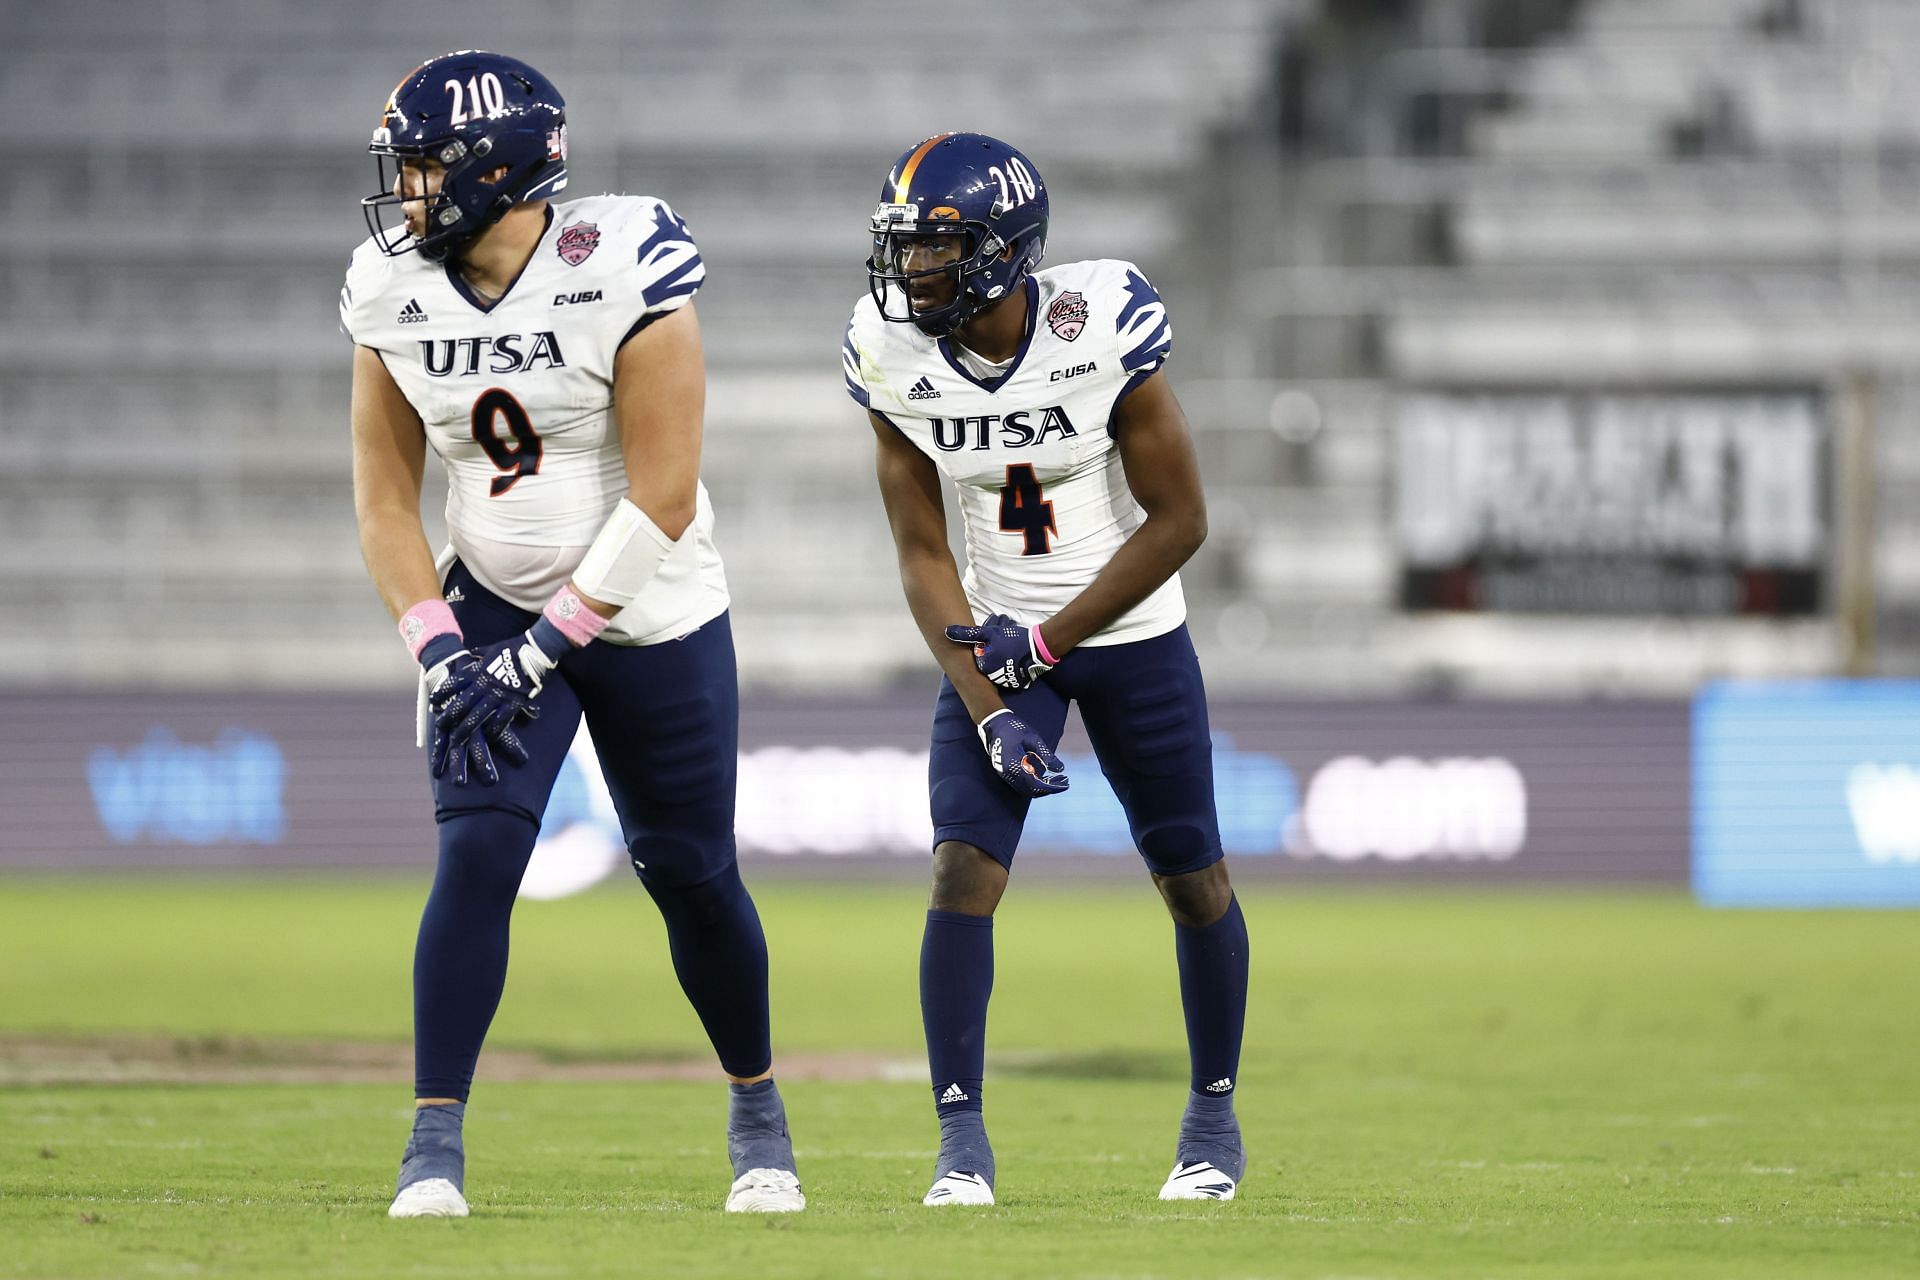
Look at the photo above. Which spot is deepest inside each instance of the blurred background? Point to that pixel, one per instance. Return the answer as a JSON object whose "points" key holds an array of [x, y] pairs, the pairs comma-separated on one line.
{"points": [[1551, 364]]}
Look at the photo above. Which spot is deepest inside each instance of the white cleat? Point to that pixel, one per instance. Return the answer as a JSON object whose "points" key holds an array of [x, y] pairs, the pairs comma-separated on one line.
{"points": [[959, 1188], [1199, 1181], [429, 1198], [766, 1191]]}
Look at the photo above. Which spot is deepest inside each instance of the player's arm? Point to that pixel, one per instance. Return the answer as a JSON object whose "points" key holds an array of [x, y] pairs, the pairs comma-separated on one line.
{"points": [[1157, 454], [659, 406], [389, 459], [910, 488]]}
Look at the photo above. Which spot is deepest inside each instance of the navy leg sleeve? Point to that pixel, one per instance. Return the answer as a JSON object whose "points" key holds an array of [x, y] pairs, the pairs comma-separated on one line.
{"points": [[665, 720], [460, 961]]}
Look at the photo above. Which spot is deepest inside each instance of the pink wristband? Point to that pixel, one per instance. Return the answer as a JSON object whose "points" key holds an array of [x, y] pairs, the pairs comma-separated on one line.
{"points": [[426, 620], [1040, 647], [573, 619]]}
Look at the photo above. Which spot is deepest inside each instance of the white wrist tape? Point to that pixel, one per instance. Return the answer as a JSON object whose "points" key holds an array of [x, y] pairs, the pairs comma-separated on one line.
{"points": [[624, 557]]}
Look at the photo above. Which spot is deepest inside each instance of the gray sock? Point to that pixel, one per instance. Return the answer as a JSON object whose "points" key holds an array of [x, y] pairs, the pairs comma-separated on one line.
{"points": [[435, 1149], [963, 1146], [757, 1135], [1210, 1131]]}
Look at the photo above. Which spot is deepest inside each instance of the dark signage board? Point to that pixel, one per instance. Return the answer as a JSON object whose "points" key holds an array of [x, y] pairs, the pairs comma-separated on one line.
{"points": [[1699, 503]]}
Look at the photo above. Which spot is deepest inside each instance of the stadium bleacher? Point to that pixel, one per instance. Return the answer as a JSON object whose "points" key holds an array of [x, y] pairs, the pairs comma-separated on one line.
{"points": [[1694, 190]]}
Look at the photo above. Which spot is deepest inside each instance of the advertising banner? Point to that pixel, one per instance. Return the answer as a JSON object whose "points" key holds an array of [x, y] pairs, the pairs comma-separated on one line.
{"points": [[1342, 790], [1612, 502], [1807, 794]]}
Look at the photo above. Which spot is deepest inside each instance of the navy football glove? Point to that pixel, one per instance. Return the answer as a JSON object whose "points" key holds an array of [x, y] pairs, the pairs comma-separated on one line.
{"points": [[478, 702], [1004, 651], [450, 669], [1020, 756]]}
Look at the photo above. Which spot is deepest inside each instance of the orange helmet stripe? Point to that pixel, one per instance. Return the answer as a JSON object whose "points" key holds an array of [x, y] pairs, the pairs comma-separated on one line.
{"points": [[905, 180], [394, 96]]}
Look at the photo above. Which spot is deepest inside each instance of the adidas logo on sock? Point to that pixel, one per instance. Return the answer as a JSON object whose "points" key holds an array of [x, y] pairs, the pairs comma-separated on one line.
{"points": [[921, 390], [954, 1093], [413, 312], [1221, 1085]]}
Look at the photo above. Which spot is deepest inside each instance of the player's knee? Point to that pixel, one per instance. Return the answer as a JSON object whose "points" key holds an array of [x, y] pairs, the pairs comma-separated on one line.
{"points": [[664, 861], [966, 879], [484, 853], [706, 905], [1197, 898], [1176, 844]]}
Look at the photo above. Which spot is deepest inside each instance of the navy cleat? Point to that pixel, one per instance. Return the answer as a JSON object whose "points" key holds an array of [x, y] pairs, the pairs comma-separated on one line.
{"points": [[433, 1172], [764, 1177]]}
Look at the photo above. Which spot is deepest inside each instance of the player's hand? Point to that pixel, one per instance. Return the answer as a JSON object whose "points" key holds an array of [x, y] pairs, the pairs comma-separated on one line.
{"points": [[1020, 756], [1004, 651], [478, 703]]}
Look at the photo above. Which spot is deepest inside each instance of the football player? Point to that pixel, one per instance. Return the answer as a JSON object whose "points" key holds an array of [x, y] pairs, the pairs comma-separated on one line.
{"points": [[549, 354], [1040, 395]]}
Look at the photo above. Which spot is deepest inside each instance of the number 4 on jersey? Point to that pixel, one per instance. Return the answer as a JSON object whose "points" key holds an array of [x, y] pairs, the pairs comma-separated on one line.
{"points": [[1025, 510]]}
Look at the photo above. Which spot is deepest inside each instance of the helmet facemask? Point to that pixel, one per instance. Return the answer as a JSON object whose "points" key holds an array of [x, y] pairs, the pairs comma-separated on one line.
{"points": [[897, 229], [448, 225]]}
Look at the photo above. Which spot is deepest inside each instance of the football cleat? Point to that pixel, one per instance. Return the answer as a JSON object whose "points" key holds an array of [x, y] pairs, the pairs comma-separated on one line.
{"points": [[959, 1187], [1198, 1181], [766, 1191], [429, 1198]]}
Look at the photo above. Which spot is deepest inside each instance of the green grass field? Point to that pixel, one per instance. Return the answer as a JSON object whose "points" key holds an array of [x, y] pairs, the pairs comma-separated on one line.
{"points": [[1442, 1085]]}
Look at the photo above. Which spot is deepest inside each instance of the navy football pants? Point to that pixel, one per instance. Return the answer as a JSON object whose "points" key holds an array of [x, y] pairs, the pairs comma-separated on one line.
{"points": [[665, 724], [1145, 710]]}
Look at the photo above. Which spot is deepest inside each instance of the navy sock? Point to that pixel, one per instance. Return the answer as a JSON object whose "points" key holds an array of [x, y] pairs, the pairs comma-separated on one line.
{"points": [[460, 959], [956, 981], [1213, 992], [720, 957], [757, 1135], [435, 1150]]}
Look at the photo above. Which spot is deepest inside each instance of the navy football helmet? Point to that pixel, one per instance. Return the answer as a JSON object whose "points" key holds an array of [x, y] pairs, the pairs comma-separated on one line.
{"points": [[969, 186], [472, 113]]}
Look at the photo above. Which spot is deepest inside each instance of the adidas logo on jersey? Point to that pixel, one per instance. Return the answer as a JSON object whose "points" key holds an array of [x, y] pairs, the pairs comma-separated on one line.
{"points": [[954, 1093], [923, 390], [1221, 1085], [413, 312], [503, 670]]}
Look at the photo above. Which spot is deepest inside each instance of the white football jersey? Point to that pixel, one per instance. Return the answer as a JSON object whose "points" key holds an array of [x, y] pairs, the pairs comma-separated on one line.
{"points": [[1044, 501], [517, 398]]}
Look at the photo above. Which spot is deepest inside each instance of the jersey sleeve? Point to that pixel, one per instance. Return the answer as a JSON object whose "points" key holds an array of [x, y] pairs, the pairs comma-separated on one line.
{"points": [[671, 271], [1145, 333], [346, 304], [366, 273], [850, 366]]}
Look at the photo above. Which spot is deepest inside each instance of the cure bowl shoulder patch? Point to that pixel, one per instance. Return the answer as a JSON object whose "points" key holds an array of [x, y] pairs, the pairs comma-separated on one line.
{"points": [[577, 242], [1067, 316]]}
